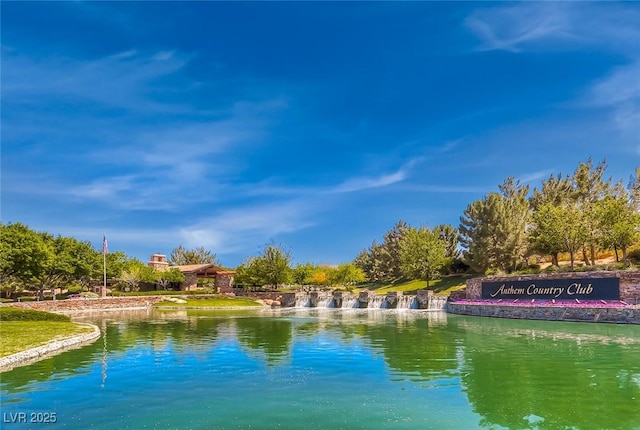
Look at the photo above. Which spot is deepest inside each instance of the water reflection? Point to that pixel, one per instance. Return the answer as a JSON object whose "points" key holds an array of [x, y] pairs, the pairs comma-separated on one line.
{"points": [[553, 375], [463, 372]]}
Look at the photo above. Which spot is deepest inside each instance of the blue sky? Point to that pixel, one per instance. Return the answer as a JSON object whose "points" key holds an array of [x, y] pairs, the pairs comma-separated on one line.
{"points": [[313, 125]]}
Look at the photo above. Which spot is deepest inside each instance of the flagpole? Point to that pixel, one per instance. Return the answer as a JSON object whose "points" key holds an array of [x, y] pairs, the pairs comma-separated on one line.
{"points": [[103, 293], [104, 288]]}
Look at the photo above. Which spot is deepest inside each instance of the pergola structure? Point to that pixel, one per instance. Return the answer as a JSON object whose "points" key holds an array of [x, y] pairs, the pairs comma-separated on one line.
{"points": [[192, 272]]}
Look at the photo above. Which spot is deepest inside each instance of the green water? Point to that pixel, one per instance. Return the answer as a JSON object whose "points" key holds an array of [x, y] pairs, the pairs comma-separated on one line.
{"points": [[333, 369]]}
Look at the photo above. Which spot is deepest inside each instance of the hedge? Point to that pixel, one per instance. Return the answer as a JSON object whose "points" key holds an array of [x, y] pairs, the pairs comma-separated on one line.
{"points": [[14, 314]]}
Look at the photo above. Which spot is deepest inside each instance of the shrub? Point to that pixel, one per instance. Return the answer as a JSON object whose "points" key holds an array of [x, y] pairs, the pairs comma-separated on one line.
{"points": [[160, 293], [89, 295], [552, 269], [74, 289], [458, 266], [527, 271], [15, 314], [634, 256], [28, 298]]}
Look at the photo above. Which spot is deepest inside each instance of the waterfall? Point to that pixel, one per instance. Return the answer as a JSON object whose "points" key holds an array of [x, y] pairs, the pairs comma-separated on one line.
{"points": [[350, 302], [303, 301], [325, 301], [378, 302], [437, 303], [407, 302]]}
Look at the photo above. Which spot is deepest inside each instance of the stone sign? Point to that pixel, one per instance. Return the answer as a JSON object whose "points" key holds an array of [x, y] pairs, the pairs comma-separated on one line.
{"points": [[548, 289]]}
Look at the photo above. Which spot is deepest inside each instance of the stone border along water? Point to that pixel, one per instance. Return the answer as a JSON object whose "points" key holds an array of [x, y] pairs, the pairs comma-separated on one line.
{"points": [[55, 347], [207, 308], [616, 315]]}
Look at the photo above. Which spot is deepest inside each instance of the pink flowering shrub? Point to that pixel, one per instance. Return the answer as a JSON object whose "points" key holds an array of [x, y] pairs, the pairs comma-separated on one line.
{"points": [[543, 303]]}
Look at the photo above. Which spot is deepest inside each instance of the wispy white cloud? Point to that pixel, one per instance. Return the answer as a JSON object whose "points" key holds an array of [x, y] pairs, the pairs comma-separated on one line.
{"points": [[620, 92], [514, 27], [240, 229], [230, 231], [556, 26], [365, 183], [141, 162], [120, 238], [536, 176], [572, 26], [188, 163], [105, 188], [450, 145], [369, 182], [447, 189], [273, 187], [123, 80]]}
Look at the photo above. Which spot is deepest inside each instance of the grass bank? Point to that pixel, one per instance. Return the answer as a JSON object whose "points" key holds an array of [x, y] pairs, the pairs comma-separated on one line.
{"points": [[24, 329], [442, 286]]}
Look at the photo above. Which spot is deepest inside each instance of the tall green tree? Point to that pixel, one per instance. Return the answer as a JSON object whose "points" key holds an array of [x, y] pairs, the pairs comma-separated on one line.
{"points": [[450, 237], [25, 256], [554, 192], [390, 263], [136, 273], [493, 230], [117, 262], [181, 256], [589, 187], [76, 260], [271, 267], [545, 234], [618, 223], [247, 273], [381, 261], [10, 285], [348, 274], [422, 254], [274, 264], [372, 262], [572, 228], [634, 190], [323, 275], [302, 273], [164, 278], [560, 228], [516, 218], [72, 261]]}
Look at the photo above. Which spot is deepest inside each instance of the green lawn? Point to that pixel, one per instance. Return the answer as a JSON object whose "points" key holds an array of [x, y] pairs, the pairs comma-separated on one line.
{"points": [[443, 285], [212, 302], [16, 336]]}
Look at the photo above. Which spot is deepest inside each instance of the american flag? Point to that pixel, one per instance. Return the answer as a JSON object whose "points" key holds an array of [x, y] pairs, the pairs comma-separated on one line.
{"points": [[104, 245]]}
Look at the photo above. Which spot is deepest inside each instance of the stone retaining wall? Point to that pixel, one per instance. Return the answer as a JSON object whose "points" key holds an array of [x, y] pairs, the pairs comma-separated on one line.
{"points": [[629, 315], [265, 295], [629, 282], [81, 305]]}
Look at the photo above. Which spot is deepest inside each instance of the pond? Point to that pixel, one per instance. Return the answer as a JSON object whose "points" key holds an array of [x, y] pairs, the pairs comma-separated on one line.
{"points": [[333, 369]]}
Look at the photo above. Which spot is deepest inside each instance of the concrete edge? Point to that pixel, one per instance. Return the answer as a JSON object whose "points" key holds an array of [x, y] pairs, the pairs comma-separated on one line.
{"points": [[205, 308], [592, 314], [50, 349], [98, 310]]}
